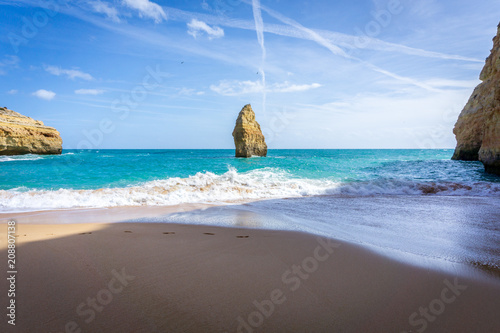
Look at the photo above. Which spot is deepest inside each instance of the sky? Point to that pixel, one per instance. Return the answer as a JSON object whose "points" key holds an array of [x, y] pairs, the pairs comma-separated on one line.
{"points": [[164, 74]]}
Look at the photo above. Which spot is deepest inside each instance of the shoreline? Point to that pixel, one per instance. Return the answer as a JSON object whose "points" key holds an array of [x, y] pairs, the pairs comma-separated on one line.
{"points": [[192, 278], [428, 231], [103, 215], [147, 211]]}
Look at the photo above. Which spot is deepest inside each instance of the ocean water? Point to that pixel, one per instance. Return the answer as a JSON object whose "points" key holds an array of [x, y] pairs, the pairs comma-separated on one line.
{"points": [[429, 230], [113, 178], [418, 204]]}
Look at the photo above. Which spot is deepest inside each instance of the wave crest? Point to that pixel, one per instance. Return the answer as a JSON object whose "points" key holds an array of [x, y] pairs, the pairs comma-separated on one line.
{"points": [[207, 187], [200, 188], [27, 157]]}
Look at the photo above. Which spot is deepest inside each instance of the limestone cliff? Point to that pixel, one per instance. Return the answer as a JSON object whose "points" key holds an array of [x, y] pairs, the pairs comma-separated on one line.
{"points": [[248, 137], [23, 135], [478, 126]]}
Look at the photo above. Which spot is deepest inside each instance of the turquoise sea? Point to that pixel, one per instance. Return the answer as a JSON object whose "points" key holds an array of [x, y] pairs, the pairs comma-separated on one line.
{"points": [[416, 203], [109, 178]]}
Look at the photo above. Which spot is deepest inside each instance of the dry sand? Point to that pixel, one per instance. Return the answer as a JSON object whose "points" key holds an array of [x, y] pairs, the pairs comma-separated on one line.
{"points": [[126, 277]]}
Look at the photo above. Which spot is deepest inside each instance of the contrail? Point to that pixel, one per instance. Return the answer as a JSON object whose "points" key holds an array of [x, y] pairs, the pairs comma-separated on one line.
{"points": [[259, 28], [337, 50], [398, 77], [344, 40], [291, 29], [259, 25], [311, 33]]}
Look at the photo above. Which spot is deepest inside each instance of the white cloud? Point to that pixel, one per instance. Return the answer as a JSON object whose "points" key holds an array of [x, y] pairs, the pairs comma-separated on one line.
{"points": [[235, 88], [413, 119], [473, 66], [8, 61], [287, 87], [197, 28], [190, 92], [424, 8], [89, 91], [105, 8], [205, 5], [446, 83], [12, 92], [148, 9], [44, 94], [71, 73], [295, 30]]}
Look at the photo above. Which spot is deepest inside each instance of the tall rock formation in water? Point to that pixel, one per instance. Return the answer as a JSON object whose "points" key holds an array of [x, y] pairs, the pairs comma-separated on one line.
{"points": [[478, 126], [248, 137], [23, 135]]}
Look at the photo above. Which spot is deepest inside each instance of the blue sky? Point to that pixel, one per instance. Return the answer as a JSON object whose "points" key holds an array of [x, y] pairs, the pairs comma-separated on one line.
{"points": [[175, 74]]}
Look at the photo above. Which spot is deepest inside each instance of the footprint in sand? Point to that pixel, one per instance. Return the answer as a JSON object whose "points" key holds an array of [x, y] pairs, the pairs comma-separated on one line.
{"points": [[128, 231], [242, 236], [208, 233], [169, 233]]}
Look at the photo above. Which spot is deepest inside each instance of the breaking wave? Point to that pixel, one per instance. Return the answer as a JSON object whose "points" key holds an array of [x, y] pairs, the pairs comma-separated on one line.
{"points": [[207, 187], [28, 157]]}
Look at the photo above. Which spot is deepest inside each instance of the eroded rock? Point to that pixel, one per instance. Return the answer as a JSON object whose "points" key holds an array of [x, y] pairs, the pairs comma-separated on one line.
{"points": [[478, 127], [248, 137], [23, 135]]}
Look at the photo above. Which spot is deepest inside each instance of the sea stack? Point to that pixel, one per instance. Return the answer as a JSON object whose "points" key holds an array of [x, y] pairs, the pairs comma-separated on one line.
{"points": [[478, 126], [23, 135], [248, 137]]}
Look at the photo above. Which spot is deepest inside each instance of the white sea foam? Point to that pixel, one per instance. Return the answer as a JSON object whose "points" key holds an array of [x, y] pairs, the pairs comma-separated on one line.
{"points": [[229, 187], [27, 157], [406, 187]]}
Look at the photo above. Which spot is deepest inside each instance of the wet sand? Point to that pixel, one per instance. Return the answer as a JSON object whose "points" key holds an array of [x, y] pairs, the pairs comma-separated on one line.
{"points": [[103, 215], [139, 277]]}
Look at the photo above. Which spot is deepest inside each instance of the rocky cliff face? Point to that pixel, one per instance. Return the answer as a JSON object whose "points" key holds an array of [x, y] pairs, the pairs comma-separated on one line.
{"points": [[478, 126], [23, 135], [248, 137]]}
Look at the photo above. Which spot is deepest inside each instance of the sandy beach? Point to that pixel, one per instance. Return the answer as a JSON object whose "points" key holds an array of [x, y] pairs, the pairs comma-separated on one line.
{"points": [[250, 166], [143, 277]]}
